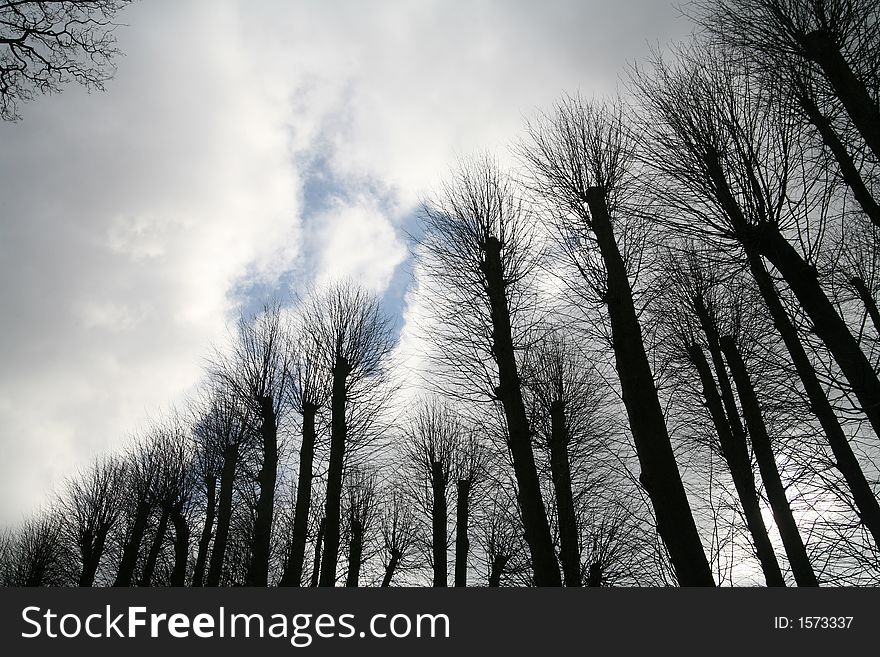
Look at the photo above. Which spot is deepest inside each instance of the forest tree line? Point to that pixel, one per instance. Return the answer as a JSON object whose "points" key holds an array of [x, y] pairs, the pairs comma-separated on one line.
{"points": [[645, 354]]}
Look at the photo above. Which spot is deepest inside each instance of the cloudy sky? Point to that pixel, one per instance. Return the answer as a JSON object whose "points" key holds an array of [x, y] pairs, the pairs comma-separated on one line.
{"points": [[247, 147]]}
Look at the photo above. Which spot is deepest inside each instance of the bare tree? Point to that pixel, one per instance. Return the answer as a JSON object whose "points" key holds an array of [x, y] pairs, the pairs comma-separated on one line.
{"points": [[471, 473], [361, 507], [694, 305], [354, 337], [429, 449], [480, 255], [733, 174], [397, 530], [309, 390], [45, 45], [91, 506], [257, 373], [225, 430], [582, 161], [142, 472], [34, 554], [563, 391], [839, 38]]}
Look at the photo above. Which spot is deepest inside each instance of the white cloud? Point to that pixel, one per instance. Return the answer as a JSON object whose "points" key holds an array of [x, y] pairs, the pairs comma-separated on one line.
{"points": [[357, 241]]}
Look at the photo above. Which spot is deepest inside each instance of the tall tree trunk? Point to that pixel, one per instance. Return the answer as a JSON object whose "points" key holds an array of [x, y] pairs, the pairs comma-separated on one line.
{"points": [[125, 574], [660, 476], [499, 563], [181, 547], [560, 473], [438, 522], [224, 514], [355, 552], [829, 326], [391, 567], [296, 554], [258, 570], [509, 392], [788, 531], [316, 566], [338, 438], [852, 92], [205, 539], [155, 548], [846, 460], [462, 542], [848, 169], [737, 458]]}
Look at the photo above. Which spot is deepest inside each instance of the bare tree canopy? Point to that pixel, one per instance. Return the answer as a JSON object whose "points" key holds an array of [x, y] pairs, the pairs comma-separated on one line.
{"points": [[46, 45]]}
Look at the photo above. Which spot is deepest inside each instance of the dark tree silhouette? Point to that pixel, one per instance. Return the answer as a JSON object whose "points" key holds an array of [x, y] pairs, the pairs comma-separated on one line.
{"points": [[837, 38], [354, 337], [733, 173], [34, 555], [309, 390], [581, 158], [45, 45], [397, 529], [429, 451], [471, 472], [257, 372], [791, 538], [563, 390], [225, 427], [91, 506], [361, 506], [479, 250], [696, 305], [142, 472]]}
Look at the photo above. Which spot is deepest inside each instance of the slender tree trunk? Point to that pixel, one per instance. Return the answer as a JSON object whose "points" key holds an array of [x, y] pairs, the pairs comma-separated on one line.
{"points": [[829, 326], [296, 554], [560, 473], [848, 169], [788, 531], [391, 567], [338, 438], [846, 461], [737, 458], [224, 514], [92, 557], [205, 539], [258, 570], [319, 541], [660, 476], [852, 92], [868, 301], [355, 552], [438, 523], [509, 392], [595, 576], [125, 575], [499, 563], [462, 542], [155, 548], [181, 547]]}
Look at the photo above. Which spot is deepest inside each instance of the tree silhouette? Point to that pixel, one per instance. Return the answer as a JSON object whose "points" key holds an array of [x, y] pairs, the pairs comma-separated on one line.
{"points": [[581, 158], [45, 45], [479, 250]]}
